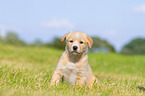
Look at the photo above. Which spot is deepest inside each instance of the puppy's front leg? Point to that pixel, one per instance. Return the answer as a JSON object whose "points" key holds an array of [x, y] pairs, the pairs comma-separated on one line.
{"points": [[56, 77], [80, 79]]}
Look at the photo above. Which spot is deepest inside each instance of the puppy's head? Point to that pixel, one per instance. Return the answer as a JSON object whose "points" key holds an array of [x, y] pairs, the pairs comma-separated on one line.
{"points": [[77, 42]]}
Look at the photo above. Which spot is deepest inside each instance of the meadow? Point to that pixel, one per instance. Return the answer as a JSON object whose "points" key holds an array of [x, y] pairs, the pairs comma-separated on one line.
{"points": [[27, 71]]}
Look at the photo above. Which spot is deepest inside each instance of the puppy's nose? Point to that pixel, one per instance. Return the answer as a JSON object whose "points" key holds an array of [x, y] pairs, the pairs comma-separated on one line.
{"points": [[75, 47]]}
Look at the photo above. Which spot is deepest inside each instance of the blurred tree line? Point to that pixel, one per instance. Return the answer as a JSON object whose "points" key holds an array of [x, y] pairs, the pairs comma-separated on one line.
{"points": [[136, 46], [12, 39], [100, 45]]}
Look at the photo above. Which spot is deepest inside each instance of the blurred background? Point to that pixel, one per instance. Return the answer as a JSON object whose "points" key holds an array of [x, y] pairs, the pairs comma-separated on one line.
{"points": [[115, 26]]}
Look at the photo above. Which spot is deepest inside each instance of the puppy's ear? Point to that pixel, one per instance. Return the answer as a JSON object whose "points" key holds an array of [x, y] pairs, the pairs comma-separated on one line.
{"points": [[90, 41], [64, 37]]}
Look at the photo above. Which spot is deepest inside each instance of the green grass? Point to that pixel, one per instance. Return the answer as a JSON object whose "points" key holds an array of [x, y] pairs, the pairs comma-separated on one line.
{"points": [[28, 71]]}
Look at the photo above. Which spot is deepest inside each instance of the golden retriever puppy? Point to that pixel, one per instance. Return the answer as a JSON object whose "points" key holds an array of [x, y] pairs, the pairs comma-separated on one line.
{"points": [[73, 65]]}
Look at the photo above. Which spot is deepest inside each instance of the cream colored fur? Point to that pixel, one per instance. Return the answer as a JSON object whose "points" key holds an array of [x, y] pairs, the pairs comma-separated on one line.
{"points": [[73, 64]]}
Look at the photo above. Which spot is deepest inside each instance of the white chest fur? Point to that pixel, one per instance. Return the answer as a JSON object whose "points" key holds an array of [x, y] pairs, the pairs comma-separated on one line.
{"points": [[69, 66], [70, 72]]}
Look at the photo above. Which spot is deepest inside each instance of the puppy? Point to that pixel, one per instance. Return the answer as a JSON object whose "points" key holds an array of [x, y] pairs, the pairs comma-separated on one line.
{"points": [[73, 65]]}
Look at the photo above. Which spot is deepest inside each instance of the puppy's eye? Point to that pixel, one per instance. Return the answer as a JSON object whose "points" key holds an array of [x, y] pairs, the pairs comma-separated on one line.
{"points": [[81, 42], [71, 41]]}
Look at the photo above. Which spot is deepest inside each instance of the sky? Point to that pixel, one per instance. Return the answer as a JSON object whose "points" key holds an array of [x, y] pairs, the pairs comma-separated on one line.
{"points": [[117, 21]]}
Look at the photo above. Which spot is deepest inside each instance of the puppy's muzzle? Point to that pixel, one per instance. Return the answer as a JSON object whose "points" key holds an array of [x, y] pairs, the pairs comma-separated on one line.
{"points": [[75, 48]]}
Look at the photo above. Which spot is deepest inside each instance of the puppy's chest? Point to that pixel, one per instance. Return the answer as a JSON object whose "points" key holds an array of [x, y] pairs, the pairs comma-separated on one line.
{"points": [[70, 67]]}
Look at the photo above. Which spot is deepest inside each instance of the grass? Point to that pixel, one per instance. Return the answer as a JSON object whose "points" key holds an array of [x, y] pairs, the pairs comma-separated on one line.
{"points": [[27, 72]]}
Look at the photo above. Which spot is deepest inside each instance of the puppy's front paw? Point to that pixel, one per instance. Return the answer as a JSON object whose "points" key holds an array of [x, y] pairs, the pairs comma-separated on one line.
{"points": [[92, 82], [52, 83]]}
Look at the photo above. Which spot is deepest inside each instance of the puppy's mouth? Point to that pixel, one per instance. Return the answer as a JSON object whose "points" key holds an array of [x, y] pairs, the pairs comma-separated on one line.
{"points": [[75, 52]]}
